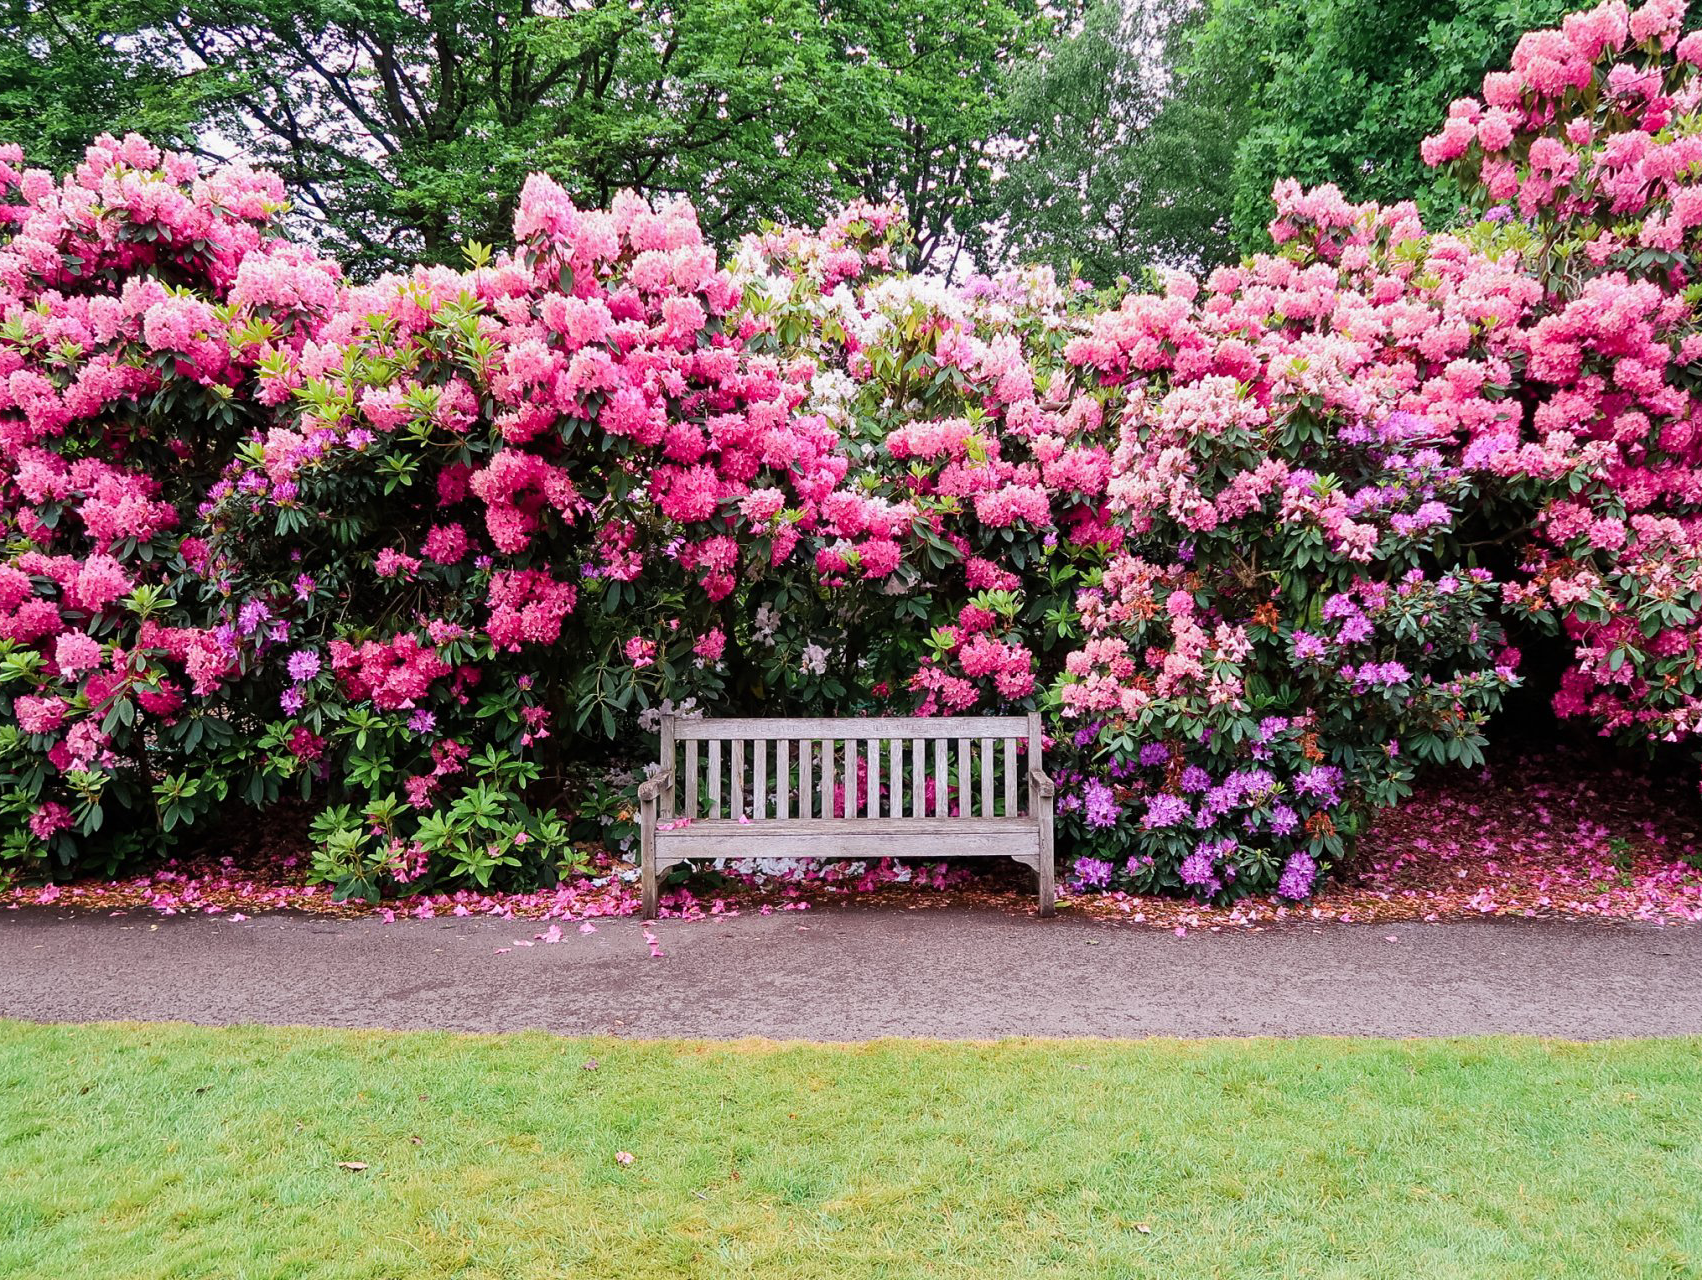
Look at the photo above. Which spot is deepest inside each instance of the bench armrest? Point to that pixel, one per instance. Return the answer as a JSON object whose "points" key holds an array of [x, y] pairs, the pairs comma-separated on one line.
{"points": [[651, 790], [1039, 783]]}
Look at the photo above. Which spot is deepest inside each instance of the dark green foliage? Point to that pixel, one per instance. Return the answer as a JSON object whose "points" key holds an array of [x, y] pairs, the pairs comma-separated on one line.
{"points": [[408, 134], [1153, 132], [921, 115], [1343, 90], [1115, 136], [73, 69]]}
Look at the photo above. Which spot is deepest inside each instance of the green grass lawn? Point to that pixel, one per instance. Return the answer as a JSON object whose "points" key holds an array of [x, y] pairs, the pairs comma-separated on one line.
{"points": [[136, 1151]]}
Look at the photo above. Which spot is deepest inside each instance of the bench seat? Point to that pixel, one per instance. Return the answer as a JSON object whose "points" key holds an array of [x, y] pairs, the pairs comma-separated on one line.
{"points": [[850, 838]]}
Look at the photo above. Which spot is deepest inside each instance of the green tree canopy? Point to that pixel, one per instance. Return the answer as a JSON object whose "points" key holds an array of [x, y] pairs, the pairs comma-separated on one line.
{"points": [[408, 130], [73, 69], [405, 130], [922, 114], [1153, 130], [1113, 170], [1113, 133]]}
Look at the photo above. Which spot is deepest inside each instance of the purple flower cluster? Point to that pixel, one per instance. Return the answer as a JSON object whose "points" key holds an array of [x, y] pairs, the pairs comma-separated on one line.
{"points": [[1166, 810], [303, 665], [1243, 788], [1376, 674], [1093, 873], [253, 615], [1428, 516], [1310, 648], [1356, 629], [1200, 868], [1401, 427], [1099, 805], [1196, 868], [1298, 875], [1322, 784], [1154, 754]]}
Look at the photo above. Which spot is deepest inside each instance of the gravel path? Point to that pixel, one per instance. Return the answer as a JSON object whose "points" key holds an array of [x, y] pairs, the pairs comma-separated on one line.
{"points": [[859, 972]]}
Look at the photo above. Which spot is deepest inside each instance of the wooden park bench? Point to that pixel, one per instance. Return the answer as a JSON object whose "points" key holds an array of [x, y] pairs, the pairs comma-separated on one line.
{"points": [[777, 789]]}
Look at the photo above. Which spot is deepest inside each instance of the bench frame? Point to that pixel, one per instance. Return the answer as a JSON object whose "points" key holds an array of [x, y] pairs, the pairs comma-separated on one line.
{"points": [[763, 827]]}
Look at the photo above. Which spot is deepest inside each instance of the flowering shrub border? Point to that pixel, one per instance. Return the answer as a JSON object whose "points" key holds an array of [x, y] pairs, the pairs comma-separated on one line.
{"points": [[408, 547]]}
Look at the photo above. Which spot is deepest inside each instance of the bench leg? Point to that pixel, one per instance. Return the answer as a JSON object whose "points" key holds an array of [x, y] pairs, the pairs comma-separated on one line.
{"points": [[1045, 868], [647, 855], [1041, 865]]}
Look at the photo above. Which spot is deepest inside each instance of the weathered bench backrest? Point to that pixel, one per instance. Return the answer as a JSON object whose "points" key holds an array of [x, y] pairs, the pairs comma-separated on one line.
{"points": [[791, 770]]}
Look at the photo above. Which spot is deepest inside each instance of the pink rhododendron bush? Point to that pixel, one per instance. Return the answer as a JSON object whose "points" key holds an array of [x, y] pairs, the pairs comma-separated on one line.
{"points": [[423, 550], [136, 298]]}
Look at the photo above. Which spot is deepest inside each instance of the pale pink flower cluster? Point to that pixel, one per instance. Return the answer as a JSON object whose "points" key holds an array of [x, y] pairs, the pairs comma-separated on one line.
{"points": [[1590, 134]]}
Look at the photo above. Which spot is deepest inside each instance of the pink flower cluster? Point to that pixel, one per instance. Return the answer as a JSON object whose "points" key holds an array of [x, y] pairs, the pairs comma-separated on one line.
{"points": [[1005, 664], [394, 674], [527, 607]]}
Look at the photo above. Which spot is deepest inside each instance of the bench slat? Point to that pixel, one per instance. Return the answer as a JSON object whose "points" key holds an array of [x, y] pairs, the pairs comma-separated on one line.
{"points": [[691, 779], [806, 778], [965, 805], [1010, 777], [759, 785], [918, 780], [738, 782], [826, 778], [782, 778], [942, 786], [715, 777], [863, 726], [895, 786], [986, 777]]}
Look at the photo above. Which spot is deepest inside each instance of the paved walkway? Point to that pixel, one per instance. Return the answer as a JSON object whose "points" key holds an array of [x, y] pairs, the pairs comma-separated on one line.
{"points": [[859, 972]]}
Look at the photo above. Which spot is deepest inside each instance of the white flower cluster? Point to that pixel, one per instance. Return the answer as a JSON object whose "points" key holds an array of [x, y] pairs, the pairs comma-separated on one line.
{"points": [[650, 719], [815, 660], [932, 294]]}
